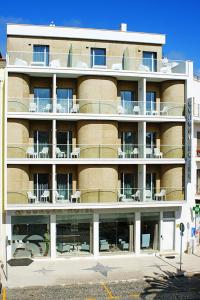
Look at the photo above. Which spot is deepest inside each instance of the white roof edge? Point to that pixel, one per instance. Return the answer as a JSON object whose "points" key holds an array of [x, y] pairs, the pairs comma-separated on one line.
{"points": [[85, 33]]}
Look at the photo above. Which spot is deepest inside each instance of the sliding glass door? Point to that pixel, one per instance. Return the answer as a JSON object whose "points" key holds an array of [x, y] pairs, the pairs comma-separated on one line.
{"points": [[41, 184], [64, 186], [42, 99], [128, 142], [64, 100], [150, 185], [41, 144], [64, 144], [128, 184], [127, 101]]}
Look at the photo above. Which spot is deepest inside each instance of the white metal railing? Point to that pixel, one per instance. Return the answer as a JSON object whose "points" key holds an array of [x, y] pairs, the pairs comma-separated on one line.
{"points": [[81, 61], [95, 106], [93, 151], [67, 196]]}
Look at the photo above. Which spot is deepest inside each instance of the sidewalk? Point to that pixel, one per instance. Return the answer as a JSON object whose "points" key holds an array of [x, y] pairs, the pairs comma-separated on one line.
{"points": [[92, 270]]}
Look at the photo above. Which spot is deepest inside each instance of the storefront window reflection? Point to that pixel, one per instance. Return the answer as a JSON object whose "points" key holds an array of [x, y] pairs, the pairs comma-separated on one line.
{"points": [[30, 236], [74, 234], [116, 232]]}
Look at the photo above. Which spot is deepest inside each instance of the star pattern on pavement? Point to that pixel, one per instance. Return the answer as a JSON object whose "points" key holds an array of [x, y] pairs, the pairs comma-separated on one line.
{"points": [[43, 271], [100, 268]]}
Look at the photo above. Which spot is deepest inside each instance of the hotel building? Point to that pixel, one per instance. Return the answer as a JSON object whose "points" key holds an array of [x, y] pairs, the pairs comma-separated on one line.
{"points": [[97, 131]]}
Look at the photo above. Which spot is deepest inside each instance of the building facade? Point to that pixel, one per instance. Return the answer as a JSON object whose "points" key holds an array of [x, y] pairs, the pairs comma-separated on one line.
{"points": [[97, 133], [2, 122]]}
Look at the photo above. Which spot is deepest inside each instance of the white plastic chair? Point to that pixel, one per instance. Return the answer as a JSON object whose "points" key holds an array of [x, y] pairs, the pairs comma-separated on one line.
{"points": [[161, 195], [30, 153], [44, 153], [120, 109], [164, 111], [136, 110], [59, 196], [136, 196], [76, 196], [60, 108], [45, 196], [121, 197], [75, 108], [59, 153], [32, 107], [157, 153], [135, 152], [149, 152], [31, 198], [75, 153], [55, 63], [47, 108], [121, 154]]}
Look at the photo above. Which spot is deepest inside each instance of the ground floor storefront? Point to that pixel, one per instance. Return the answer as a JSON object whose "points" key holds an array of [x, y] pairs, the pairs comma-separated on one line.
{"points": [[88, 232]]}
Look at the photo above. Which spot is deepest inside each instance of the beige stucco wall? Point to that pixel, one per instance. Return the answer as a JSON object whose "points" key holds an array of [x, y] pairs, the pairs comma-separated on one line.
{"points": [[97, 94], [102, 135], [80, 47], [17, 184], [98, 183], [172, 178], [173, 91]]}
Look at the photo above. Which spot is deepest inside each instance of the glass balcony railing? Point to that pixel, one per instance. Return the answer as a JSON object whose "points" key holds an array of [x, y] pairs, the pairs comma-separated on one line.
{"points": [[94, 106], [67, 196], [81, 61], [95, 151]]}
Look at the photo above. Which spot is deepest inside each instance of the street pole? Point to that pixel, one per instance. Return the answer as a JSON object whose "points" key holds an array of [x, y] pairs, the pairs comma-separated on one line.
{"points": [[182, 228], [181, 246]]}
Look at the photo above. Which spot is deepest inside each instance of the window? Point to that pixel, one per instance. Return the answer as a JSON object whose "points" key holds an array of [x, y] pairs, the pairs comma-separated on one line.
{"points": [[64, 143], [42, 99], [41, 141], [64, 100], [64, 186], [127, 101], [32, 231], [116, 232], [150, 231], [150, 102], [128, 142], [98, 57], [150, 185], [198, 182], [41, 55], [150, 60], [41, 184], [128, 184]]}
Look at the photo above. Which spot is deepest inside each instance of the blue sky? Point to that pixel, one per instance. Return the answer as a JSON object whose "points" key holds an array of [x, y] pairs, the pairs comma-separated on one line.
{"points": [[179, 20]]}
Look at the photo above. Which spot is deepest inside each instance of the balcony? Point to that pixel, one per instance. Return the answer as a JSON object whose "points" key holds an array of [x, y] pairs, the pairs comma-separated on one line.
{"points": [[94, 106], [46, 197], [71, 60], [95, 151]]}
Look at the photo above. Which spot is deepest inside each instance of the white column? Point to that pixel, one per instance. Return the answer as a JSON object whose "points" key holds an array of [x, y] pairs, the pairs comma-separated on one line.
{"points": [[137, 232], [142, 94], [142, 139], [54, 138], [9, 236], [53, 235], [96, 234], [54, 183], [161, 231], [54, 93], [142, 181]]}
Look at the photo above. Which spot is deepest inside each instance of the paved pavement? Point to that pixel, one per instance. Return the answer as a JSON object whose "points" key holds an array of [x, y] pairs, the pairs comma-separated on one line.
{"points": [[92, 270]]}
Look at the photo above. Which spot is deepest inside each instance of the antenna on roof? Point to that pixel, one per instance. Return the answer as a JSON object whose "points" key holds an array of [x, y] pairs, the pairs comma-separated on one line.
{"points": [[52, 24]]}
